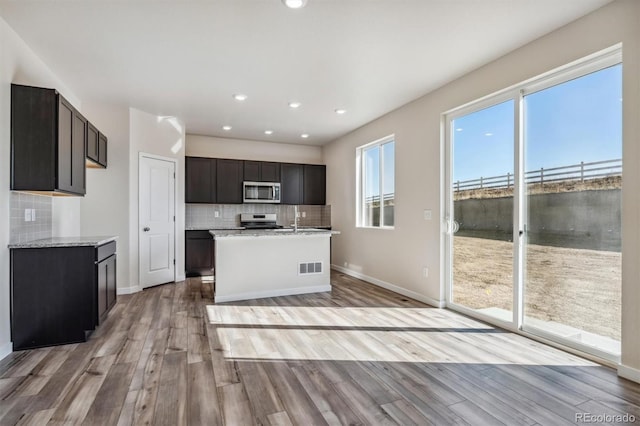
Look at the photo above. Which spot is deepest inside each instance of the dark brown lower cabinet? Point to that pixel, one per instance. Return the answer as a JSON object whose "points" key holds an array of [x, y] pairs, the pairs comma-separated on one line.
{"points": [[106, 280], [199, 253], [59, 295]]}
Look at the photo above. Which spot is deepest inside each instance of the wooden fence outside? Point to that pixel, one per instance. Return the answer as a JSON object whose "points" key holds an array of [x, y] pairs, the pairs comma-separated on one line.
{"points": [[575, 172]]}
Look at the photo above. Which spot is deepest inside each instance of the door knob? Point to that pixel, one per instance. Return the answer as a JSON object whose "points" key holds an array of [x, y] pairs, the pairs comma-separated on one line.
{"points": [[146, 229]]}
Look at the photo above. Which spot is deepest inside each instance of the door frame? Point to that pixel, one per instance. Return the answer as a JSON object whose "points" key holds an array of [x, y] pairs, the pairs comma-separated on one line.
{"points": [[142, 155]]}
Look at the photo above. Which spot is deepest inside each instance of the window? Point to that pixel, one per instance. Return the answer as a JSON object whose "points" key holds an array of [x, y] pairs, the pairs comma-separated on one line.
{"points": [[376, 183]]}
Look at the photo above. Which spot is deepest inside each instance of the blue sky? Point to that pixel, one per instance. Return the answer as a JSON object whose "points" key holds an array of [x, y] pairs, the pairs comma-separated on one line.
{"points": [[580, 120], [372, 165]]}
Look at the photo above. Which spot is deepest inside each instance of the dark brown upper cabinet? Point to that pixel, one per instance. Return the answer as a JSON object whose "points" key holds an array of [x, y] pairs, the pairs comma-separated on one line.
{"points": [[229, 177], [102, 150], [48, 142], [261, 171], [211, 180], [96, 148], [315, 184], [291, 190], [200, 180]]}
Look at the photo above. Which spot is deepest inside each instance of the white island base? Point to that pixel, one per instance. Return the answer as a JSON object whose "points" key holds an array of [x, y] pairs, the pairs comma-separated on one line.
{"points": [[267, 264]]}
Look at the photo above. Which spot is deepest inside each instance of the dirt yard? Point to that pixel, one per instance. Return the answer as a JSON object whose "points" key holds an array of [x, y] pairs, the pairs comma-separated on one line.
{"points": [[579, 288]]}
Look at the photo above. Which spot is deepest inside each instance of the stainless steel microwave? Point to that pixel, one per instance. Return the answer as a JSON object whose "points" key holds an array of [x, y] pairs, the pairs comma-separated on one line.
{"points": [[261, 192]]}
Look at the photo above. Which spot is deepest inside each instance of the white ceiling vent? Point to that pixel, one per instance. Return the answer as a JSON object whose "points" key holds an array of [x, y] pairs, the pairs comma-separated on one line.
{"points": [[306, 268]]}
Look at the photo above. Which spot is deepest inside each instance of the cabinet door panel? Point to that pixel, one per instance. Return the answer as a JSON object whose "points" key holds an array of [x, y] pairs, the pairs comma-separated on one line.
{"points": [[102, 289], [78, 153], [315, 184], [199, 253], [200, 180], [252, 171], [291, 183], [111, 281], [65, 145], [92, 142], [229, 181], [102, 149], [34, 135], [270, 172]]}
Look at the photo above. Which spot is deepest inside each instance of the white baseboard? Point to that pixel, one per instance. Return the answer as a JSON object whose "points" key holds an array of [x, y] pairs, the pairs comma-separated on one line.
{"points": [[272, 293], [5, 350], [127, 290], [392, 287], [629, 373]]}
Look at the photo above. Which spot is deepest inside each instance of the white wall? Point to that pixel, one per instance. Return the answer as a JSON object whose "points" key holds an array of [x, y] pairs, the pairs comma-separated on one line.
{"points": [[164, 137], [18, 64], [105, 207], [398, 256], [66, 216], [207, 146]]}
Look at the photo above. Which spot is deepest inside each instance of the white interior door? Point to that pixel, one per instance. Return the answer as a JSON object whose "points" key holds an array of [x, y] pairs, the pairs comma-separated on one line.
{"points": [[156, 228]]}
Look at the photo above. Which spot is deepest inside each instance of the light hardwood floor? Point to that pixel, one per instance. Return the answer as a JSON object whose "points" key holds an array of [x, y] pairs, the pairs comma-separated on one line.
{"points": [[358, 355]]}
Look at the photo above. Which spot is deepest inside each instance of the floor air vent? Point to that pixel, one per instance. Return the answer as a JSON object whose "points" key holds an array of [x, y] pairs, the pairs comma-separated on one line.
{"points": [[306, 268]]}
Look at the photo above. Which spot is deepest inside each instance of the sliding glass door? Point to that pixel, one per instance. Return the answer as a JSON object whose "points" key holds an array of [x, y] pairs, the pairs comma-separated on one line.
{"points": [[482, 189], [573, 151], [534, 185]]}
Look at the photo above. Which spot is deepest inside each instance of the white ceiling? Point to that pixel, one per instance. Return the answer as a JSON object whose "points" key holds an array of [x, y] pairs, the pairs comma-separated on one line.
{"points": [[187, 58]]}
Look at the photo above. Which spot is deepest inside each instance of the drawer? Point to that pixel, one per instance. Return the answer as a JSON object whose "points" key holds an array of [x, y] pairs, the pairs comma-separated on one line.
{"points": [[106, 250]]}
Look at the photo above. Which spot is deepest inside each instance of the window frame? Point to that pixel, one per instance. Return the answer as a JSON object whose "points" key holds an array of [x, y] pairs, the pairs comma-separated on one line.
{"points": [[360, 182]]}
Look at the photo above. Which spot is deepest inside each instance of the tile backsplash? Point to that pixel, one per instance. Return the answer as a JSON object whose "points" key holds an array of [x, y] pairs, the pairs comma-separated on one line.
{"points": [[41, 227], [203, 216]]}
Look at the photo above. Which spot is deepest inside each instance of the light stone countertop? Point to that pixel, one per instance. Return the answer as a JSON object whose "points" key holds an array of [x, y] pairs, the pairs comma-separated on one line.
{"points": [[210, 228], [65, 242], [284, 232]]}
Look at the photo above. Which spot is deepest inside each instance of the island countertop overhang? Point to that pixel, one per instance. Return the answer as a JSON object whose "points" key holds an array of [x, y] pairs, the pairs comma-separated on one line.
{"points": [[279, 233]]}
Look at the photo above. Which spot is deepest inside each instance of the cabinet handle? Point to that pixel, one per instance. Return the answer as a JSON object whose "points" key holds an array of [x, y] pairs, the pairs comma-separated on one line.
{"points": [[146, 229]]}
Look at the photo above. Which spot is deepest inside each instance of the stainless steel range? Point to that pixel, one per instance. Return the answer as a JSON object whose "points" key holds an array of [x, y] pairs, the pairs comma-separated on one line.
{"points": [[259, 221]]}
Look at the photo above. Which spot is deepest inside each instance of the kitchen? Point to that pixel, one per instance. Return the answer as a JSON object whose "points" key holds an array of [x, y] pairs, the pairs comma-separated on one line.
{"points": [[288, 232], [321, 83]]}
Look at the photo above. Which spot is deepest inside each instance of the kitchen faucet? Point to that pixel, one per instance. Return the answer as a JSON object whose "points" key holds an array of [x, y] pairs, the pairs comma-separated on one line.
{"points": [[295, 218]]}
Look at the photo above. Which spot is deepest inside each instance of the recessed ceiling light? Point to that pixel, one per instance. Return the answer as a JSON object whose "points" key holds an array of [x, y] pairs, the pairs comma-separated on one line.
{"points": [[488, 134], [226, 128], [268, 132], [240, 97], [459, 129], [294, 105], [340, 111], [294, 4], [304, 135]]}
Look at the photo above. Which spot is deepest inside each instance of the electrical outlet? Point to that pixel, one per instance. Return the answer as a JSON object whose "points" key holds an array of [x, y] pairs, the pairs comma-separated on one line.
{"points": [[33, 215], [425, 272], [304, 214], [216, 213], [27, 215], [427, 215], [346, 264]]}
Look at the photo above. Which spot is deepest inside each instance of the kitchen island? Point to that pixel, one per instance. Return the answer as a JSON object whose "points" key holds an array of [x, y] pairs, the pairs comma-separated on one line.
{"points": [[253, 264]]}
